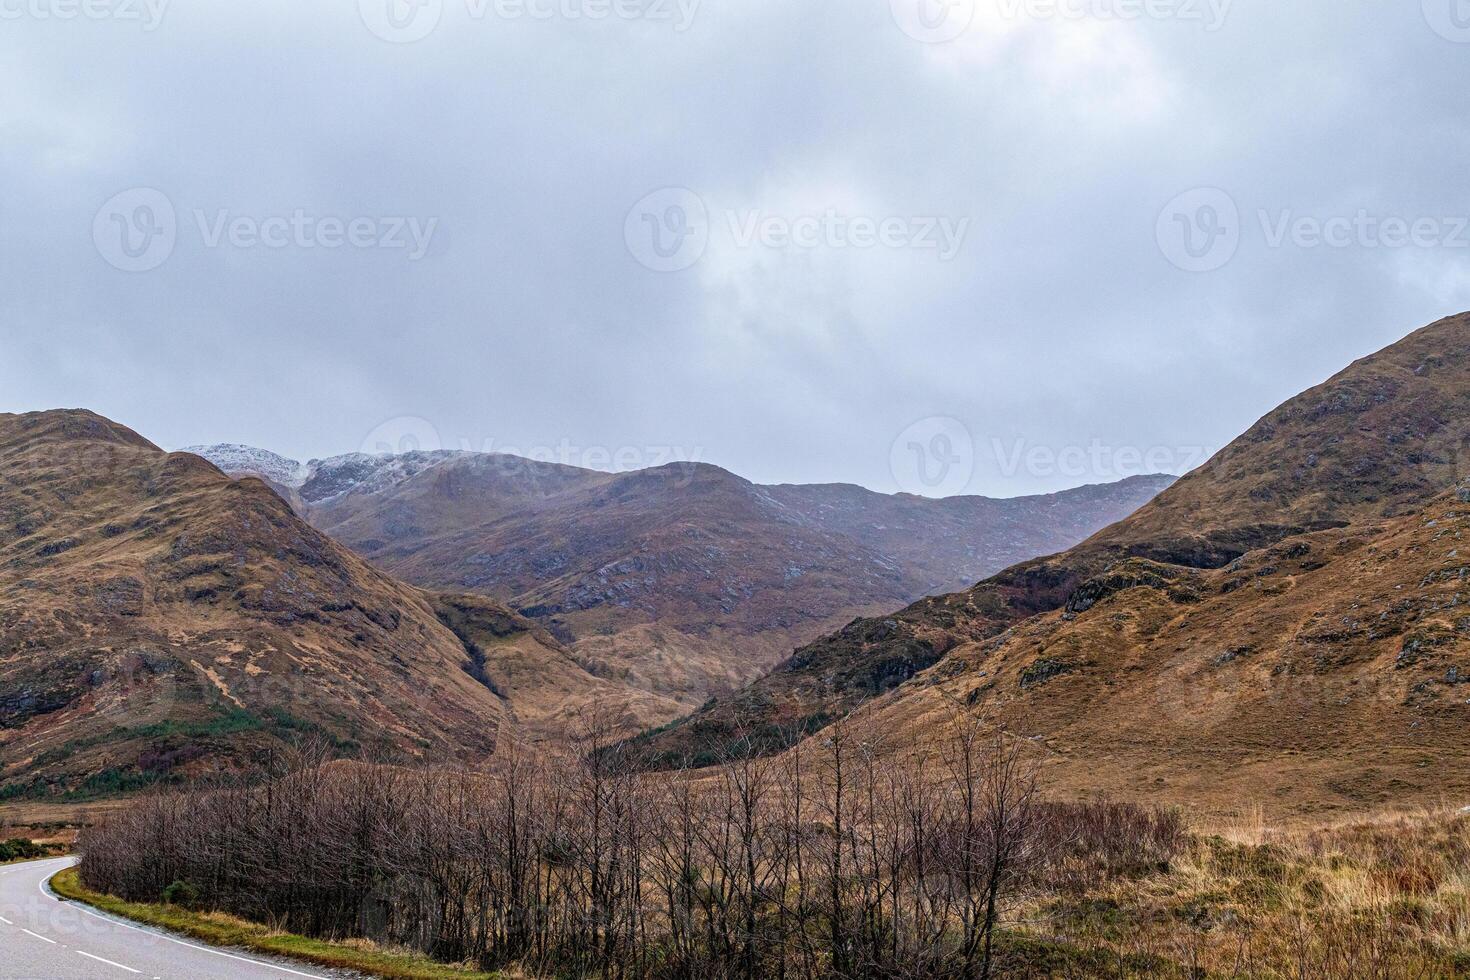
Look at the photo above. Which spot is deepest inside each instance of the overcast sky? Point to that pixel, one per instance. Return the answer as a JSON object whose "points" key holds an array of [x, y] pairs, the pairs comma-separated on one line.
{"points": [[994, 246]]}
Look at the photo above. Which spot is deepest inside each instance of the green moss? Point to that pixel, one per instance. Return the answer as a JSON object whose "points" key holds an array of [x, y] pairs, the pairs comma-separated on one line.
{"points": [[1044, 670], [111, 781], [231, 722], [1021, 955], [1097, 916]]}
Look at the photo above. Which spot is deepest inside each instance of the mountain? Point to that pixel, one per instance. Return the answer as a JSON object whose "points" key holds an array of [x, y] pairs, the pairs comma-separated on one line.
{"points": [[249, 461], [1327, 672], [682, 580], [159, 617], [1287, 605]]}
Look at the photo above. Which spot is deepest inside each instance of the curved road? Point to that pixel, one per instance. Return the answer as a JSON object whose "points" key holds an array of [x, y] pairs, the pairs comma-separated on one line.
{"points": [[45, 938]]}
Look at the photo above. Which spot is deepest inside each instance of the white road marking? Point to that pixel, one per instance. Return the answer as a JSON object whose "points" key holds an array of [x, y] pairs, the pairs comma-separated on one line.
{"points": [[159, 935], [6, 921], [106, 961], [39, 936]]}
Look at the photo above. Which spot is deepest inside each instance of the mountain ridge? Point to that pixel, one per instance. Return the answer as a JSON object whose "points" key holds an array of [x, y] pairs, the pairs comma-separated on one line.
{"points": [[1377, 441], [683, 580], [159, 619]]}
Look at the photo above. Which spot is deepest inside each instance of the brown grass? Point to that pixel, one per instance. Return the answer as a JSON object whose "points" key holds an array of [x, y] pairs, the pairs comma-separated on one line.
{"points": [[1385, 897]]}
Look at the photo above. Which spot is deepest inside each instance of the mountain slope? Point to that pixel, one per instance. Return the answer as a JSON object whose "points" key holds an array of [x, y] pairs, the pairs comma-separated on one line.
{"points": [[681, 580], [1377, 442], [544, 690], [1330, 671], [1378, 439], [157, 616]]}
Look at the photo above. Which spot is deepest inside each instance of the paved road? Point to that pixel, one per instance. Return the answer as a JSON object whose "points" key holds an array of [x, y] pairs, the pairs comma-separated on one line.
{"points": [[44, 938]]}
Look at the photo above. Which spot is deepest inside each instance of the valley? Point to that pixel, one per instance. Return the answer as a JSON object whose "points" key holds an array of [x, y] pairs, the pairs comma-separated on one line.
{"points": [[1254, 683], [682, 582]]}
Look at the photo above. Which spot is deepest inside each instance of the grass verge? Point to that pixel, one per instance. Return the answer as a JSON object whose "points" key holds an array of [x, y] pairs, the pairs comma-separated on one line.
{"points": [[218, 929]]}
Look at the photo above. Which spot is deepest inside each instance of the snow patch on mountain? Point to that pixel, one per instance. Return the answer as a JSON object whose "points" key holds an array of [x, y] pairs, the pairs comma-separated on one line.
{"points": [[237, 460], [364, 473], [322, 479]]}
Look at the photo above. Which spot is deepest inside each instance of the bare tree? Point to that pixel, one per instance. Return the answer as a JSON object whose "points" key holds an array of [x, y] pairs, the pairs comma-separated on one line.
{"points": [[841, 858]]}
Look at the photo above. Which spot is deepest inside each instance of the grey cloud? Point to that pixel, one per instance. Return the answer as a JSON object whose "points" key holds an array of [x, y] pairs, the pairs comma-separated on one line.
{"points": [[527, 321]]}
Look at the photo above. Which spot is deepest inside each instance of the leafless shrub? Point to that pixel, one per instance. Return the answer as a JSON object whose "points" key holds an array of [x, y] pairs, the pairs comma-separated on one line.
{"points": [[832, 860]]}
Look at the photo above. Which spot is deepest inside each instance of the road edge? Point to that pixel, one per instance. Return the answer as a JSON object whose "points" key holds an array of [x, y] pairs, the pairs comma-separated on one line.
{"points": [[227, 933]]}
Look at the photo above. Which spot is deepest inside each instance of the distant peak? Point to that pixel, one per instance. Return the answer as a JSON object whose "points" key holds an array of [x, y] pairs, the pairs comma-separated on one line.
{"points": [[240, 460]]}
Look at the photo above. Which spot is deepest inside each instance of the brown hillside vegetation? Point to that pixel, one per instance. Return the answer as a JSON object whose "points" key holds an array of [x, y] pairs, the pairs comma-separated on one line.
{"points": [[1328, 672], [680, 580], [543, 687], [826, 863], [1133, 620], [157, 618]]}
